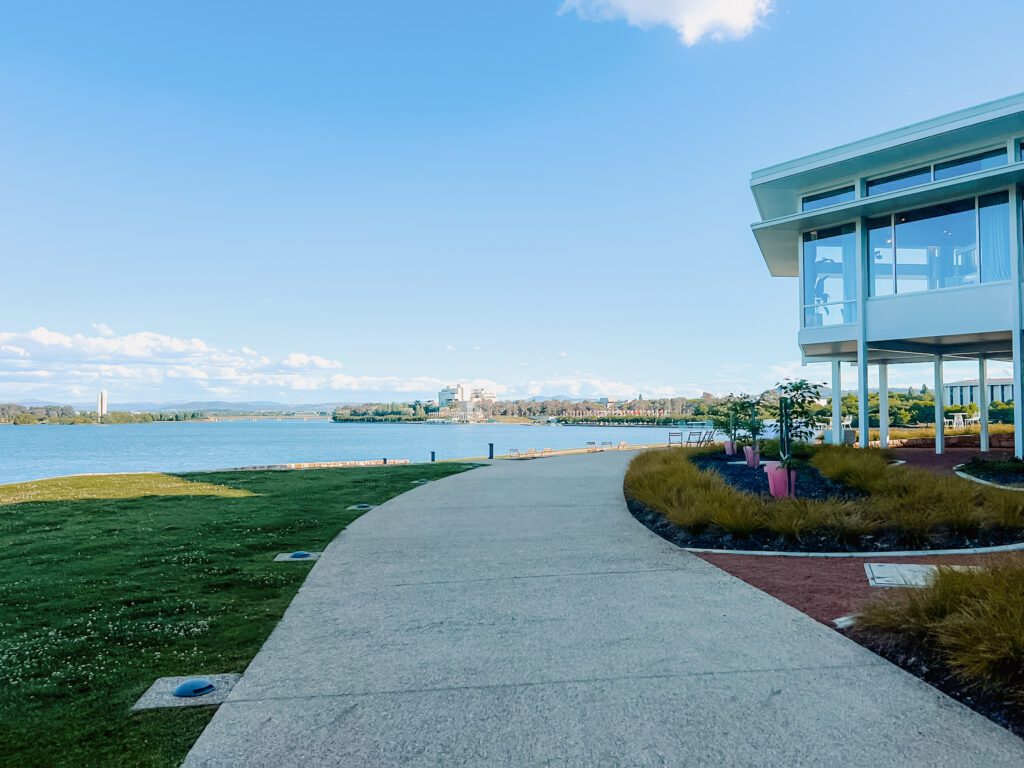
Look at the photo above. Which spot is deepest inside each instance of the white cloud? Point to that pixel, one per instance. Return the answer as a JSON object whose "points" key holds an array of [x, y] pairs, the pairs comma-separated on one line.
{"points": [[44, 363], [153, 365], [563, 354], [103, 329], [693, 20], [302, 360], [597, 386], [449, 347], [48, 338]]}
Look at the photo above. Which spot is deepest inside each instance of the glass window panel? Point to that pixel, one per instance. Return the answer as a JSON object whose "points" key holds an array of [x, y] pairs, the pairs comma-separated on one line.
{"points": [[936, 247], [823, 315], [899, 181], [994, 227], [825, 199], [881, 256], [979, 162], [830, 284]]}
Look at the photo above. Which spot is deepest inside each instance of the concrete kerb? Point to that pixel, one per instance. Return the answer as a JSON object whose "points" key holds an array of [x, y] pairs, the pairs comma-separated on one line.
{"points": [[904, 553], [958, 470]]}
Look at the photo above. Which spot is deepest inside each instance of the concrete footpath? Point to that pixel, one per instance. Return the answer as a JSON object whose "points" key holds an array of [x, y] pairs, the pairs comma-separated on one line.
{"points": [[517, 615]]}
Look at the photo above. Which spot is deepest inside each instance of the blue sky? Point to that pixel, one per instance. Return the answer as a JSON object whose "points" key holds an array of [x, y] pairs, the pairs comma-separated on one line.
{"points": [[346, 201]]}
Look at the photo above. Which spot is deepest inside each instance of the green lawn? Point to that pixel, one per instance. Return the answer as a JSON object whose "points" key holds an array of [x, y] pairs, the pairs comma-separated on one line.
{"points": [[107, 583]]}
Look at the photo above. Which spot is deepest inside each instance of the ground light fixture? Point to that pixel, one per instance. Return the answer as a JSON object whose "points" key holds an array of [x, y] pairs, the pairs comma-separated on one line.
{"points": [[196, 686], [298, 556]]}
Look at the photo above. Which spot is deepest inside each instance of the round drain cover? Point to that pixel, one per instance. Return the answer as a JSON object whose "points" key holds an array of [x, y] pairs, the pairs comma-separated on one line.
{"points": [[197, 686]]}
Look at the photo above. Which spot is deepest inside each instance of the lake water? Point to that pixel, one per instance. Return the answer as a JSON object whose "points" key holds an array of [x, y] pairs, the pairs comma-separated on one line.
{"points": [[32, 452]]}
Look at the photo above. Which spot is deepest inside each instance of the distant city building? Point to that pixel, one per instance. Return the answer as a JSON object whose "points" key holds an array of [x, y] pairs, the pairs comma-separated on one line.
{"points": [[966, 392], [101, 404], [450, 395], [482, 395], [457, 394]]}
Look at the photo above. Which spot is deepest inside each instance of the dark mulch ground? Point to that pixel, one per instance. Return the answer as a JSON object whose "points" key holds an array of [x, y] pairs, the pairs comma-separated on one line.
{"points": [[827, 588], [1012, 475], [810, 483], [1013, 479]]}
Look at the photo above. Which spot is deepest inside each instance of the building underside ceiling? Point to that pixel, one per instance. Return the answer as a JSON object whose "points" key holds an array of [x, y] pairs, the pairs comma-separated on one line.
{"points": [[994, 346]]}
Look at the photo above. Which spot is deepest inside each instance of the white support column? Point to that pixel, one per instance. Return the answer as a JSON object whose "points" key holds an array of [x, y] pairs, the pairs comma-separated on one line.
{"points": [[983, 401], [940, 408], [883, 404], [863, 419], [1017, 318], [837, 402], [1018, 401]]}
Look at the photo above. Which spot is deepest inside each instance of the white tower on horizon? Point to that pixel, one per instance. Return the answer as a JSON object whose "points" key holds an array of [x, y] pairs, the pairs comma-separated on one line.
{"points": [[101, 404]]}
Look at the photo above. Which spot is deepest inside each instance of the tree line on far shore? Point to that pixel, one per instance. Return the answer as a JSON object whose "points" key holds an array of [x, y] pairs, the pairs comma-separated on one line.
{"points": [[912, 406], [12, 413]]}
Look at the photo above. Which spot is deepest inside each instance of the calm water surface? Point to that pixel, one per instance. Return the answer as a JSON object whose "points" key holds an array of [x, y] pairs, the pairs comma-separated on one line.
{"points": [[32, 452]]}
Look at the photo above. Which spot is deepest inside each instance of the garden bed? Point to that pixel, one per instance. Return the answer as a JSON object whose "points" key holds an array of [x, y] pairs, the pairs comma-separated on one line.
{"points": [[850, 500], [1007, 471], [810, 483]]}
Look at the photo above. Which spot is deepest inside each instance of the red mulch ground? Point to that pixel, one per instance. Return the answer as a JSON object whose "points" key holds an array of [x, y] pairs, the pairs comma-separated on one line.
{"points": [[926, 458], [824, 588]]}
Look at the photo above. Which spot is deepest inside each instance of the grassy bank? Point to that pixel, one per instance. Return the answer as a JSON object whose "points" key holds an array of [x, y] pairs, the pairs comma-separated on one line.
{"points": [[910, 505], [107, 583]]}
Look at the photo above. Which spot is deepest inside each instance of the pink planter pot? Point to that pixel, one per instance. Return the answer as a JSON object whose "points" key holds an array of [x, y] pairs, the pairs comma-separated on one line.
{"points": [[753, 456], [730, 448], [779, 479]]}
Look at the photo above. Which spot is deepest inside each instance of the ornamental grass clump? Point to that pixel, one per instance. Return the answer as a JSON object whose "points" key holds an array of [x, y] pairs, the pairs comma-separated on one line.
{"points": [[689, 497], [795, 518], [860, 469], [1005, 510], [971, 620]]}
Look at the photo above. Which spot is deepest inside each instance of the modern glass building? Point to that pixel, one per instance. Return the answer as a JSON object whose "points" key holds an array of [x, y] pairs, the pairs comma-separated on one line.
{"points": [[907, 248]]}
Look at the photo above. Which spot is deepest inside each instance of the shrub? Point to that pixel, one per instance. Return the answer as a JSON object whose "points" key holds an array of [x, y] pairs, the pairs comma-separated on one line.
{"points": [[913, 614], [793, 518], [738, 519], [1004, 510], [847, 521], [913, 503], [972, 620]]}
